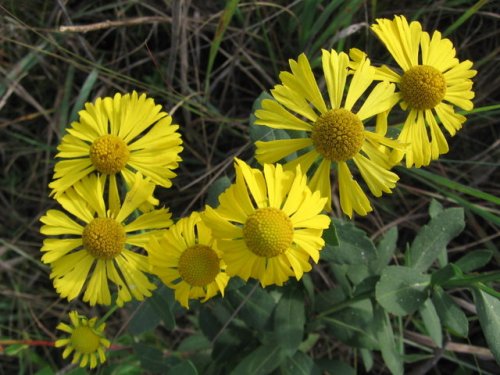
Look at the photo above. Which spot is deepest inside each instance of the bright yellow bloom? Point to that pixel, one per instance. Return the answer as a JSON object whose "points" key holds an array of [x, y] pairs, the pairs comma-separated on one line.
{"points": [[119, 135], [334, 131], [432, 83], [100, 242], [268, 224], [186, 259], [86, 339]]}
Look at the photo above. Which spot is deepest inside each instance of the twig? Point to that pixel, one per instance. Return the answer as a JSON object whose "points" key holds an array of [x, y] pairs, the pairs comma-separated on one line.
{"points": [[118, 23]]}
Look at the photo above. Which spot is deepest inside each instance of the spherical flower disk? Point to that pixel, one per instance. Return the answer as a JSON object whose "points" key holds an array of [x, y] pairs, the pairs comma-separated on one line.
{"points": [[432, 82], [268, 224], [335, 131], [100, 242], [118, 136], [86, 339], [186, 258]]}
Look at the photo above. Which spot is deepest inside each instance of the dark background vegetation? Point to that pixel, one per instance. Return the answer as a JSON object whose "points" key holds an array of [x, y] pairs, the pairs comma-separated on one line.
{"points": [[164, 48]]}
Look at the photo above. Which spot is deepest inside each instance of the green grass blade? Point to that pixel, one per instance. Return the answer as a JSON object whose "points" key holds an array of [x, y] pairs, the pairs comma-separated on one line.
{"points": [[464, 17]]}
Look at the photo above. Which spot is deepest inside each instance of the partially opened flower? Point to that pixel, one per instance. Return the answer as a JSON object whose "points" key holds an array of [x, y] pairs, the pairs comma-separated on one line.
{"points": [[86, 340], [186, 259], [335, 133], [119, 136], [268, 224], [432, 82], [99, 246]]}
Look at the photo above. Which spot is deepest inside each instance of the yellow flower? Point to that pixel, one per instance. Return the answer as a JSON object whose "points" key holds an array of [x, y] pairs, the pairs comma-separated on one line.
{"points": [[186, 259], [334, 132], [99, 243], [432, 83], [268, 224], [119, 135], [86, 339]]}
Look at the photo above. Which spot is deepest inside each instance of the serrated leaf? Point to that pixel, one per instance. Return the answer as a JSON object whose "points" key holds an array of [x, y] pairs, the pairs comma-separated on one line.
{"points": [[488, 311], [432, 322], [261, 361], [354, 246], [218, 187], [299, 364], [402, 290], [474, 260], [289, 320], [452, 317], [433, 238], [385, 336]]}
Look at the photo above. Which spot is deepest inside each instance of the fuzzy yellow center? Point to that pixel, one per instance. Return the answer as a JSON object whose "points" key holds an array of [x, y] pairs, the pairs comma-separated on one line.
{"points": [[199, 265], [85, 340], [338, 134], [268, 232], [423, 87], [109, 154], [104, 238]]}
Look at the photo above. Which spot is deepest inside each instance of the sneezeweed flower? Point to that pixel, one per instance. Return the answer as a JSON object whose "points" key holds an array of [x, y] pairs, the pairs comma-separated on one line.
{"points": [[268, 224], [432, 82], [186, 259], [335, 132], [86, 339], [118, 136], [101, 242]]}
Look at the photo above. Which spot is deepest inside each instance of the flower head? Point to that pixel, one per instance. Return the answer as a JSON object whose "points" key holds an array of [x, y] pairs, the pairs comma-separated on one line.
{"points": [[186, 259], [100, 241], [86, 339], [432, 82], [335, 133], [268, 224], [118, 136]]}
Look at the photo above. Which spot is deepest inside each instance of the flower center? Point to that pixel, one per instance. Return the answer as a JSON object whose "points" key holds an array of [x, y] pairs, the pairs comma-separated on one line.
{"points": [[423, 87], [338, 134], [109, 154], [85, 340], [268, 232], [104, 238], [199, 265]]}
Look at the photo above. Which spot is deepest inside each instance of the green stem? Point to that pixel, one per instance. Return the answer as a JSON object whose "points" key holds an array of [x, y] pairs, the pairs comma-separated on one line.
{"points": [[107, 315], [488, 290], [466, 281]]}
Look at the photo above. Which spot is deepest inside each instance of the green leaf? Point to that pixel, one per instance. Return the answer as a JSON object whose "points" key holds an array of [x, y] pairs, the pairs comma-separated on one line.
{"points": [[385, 336], [299, 364], [474, 260], [445, 274], [367, 357], [84, 94], [385, 250], [261, 361], [353, 325], [183, 368], [152, 359], [330, 235], [402, 290], [435, 208], [432, 322], [289, 320], [258, 305], [354, 246], [194, 343], [218, 187], [334, 367], [452, 317], [434, 237], [488, 311], [152, 311]]}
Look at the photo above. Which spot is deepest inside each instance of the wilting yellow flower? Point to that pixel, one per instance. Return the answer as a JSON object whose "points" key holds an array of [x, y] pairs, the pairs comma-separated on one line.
{"points": [[186, 259], [119, 135], [268, 225], [335, 132], [101, 242], [433, 81], [86, 339]]}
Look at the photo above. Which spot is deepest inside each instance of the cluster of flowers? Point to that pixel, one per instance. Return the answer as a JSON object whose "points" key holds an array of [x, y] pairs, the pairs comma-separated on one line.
{"points": [[269, 223]]}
